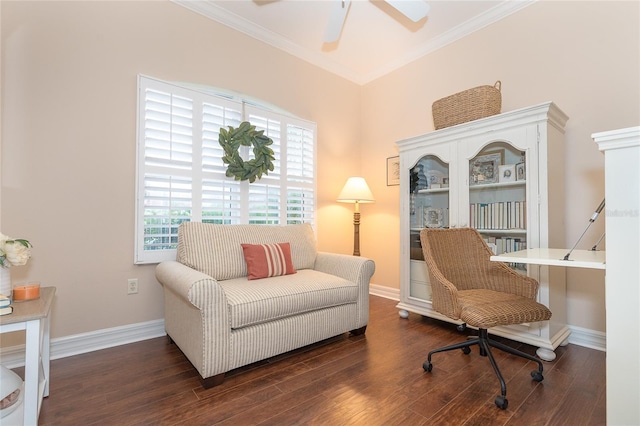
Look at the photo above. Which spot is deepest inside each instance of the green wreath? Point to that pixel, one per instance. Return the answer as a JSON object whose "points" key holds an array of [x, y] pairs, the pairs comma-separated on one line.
{"points": [[246, 135]]}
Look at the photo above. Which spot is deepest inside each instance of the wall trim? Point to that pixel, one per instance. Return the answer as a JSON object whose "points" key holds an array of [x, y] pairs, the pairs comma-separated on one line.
{"points": [[383, 291], [588, 338], [77, 344], [213, 11]]}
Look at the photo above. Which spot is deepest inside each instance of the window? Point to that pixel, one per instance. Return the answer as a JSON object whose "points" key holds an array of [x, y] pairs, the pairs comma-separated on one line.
{"points": [[181, 176]]}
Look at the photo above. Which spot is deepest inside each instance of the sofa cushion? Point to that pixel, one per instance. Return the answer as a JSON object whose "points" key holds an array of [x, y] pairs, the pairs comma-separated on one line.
{"points": [[253, 302], [216, 250], [268, 260]]}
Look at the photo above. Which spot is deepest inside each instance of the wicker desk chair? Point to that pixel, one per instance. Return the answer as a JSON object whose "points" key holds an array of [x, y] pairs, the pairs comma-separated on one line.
{"points": [[467, 286]]}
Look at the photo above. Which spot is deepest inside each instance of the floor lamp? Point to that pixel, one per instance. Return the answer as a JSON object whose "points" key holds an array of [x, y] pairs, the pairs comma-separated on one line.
{"points": [[356, 191]]}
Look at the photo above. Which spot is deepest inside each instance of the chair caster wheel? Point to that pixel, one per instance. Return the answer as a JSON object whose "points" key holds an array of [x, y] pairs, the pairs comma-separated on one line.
{"points": [[537, 376], [466, 350], [501, 402], [427, 366]]}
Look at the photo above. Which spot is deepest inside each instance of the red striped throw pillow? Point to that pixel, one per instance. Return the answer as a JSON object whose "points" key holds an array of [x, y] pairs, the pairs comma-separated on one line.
{"points": [[268, 260]]}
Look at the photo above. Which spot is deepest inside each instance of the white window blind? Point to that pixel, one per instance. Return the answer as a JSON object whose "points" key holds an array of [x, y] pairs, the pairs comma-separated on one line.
{"points": [[181, 176]]}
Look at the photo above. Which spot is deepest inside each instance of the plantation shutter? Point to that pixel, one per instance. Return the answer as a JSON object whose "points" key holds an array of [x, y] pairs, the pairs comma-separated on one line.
{"points": [[181, 177], [264, 203], [167, 160], [221, 196], [301, 173]]}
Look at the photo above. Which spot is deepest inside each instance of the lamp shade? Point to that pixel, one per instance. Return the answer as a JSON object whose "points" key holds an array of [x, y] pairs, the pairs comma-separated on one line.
{"points": [[356, 190]]}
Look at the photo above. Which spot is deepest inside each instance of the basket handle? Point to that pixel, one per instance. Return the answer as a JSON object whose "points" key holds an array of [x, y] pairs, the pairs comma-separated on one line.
{"points": [[498, 85]]}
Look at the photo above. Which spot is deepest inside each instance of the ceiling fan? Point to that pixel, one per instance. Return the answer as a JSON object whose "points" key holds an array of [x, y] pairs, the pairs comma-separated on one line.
{"points": [[415, 10]]}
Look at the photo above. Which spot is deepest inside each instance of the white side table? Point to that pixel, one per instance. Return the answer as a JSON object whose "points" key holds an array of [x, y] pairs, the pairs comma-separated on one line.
{"points": [[33, 316]]}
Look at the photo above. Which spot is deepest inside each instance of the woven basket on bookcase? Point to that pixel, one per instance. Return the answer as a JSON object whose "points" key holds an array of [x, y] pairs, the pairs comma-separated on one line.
{"points": [[468, 105]]}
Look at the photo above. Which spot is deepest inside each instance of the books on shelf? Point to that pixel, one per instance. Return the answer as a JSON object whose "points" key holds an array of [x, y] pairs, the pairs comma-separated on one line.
{"points": [[4, 301], [501, 245], [5, 305], [498, 215]]}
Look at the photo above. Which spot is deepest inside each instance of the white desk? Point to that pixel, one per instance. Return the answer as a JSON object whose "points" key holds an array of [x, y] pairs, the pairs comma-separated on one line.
{"points": [[555, 257], [33, 316]]}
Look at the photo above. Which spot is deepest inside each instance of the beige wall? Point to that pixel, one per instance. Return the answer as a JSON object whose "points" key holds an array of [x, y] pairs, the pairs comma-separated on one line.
{"points": [[584, 56], [68, 142], [68, 129]]}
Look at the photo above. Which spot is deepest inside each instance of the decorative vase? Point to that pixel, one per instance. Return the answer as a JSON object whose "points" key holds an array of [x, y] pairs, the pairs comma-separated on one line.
{"points": [[5, 281]]}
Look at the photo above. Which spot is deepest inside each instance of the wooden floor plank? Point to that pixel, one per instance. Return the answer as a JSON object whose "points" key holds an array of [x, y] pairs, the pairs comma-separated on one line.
{"points": [[375, 379], [586, 390]]}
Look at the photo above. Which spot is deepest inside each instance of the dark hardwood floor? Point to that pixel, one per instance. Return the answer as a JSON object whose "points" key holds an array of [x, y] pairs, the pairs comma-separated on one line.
{"points": [[375, 379]]}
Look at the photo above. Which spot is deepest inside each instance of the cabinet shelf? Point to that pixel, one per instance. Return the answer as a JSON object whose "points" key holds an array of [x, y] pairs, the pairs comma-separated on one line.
{"points": [[503, 231], [497, 185], [432, 190]]}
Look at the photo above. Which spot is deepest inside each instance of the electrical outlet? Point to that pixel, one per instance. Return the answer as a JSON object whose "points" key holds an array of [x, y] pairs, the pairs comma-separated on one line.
{"points": [[132, 286]]}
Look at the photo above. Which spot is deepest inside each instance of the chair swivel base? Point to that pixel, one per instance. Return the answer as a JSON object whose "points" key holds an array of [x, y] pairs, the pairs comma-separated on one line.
{"points": [[485, 344]]}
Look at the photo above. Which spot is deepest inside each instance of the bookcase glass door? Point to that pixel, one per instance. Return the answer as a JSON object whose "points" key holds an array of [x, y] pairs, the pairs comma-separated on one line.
{"points": [[429, 198], [497, 197], [429, 208]]}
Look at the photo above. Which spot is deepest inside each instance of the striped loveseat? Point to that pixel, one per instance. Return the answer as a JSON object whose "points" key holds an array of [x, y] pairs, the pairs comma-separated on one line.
{"points": [[221, 320]]}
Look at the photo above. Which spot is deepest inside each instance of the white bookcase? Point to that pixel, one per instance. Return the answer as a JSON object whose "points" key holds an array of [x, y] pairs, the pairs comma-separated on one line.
{"points": [[503, 175]]}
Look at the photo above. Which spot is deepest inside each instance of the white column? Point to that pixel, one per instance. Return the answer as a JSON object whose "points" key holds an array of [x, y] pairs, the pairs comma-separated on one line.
{"points": [[622, 194]]}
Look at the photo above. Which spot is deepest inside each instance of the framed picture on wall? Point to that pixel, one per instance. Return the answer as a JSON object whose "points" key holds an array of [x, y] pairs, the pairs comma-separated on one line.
{"points": [[393, 171]]}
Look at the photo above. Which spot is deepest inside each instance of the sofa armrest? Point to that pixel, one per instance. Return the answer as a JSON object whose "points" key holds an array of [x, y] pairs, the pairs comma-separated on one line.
{"points": [[353, 268], [358, 270], [193, 286], [196, 316]]}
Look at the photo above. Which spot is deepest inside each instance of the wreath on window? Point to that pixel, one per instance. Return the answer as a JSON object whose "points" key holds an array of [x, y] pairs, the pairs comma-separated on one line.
{"points": [[246, 135]]}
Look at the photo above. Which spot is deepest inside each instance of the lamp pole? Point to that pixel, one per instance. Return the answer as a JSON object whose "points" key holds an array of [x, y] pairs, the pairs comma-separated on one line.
{"points": [[356, 191], [356, 230]]}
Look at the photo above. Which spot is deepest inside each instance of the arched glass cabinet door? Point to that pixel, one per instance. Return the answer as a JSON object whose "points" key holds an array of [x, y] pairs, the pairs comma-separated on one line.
{"points": [[429, 208], [498, 204]]}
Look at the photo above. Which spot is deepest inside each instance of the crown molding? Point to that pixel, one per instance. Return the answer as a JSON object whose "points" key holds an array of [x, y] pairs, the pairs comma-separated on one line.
{"points": [[468, 27], [211, 10]]}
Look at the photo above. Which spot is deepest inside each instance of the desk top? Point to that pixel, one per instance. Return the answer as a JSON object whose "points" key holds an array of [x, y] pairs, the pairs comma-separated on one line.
{"points": [[30, 309], [555, 257]]}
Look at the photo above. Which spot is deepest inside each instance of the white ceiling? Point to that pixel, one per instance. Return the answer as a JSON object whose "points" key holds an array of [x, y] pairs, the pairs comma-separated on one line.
{"points": [[376, 39]]}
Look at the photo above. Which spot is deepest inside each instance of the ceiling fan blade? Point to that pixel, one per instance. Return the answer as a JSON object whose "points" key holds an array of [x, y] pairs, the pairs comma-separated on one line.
{"points": [[336, 20], [412, 9]]}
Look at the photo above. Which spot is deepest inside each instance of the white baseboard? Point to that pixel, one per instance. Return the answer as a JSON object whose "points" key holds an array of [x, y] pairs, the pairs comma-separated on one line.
{"points": [[588, 338], [63, 347], [386, 292]]}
